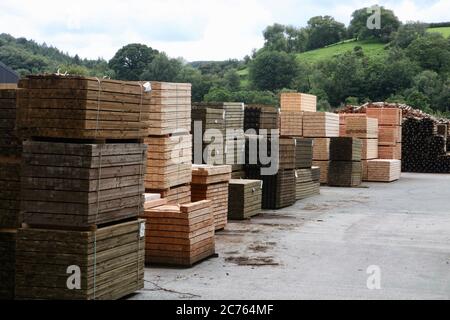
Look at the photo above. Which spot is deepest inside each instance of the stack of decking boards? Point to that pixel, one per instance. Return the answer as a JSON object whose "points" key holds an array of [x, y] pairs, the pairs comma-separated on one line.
{"points": [[366, 129], [345, 165], [82, 188], [424, 147], [211, 183], [170, 142], [179, 235], [10, 172]]}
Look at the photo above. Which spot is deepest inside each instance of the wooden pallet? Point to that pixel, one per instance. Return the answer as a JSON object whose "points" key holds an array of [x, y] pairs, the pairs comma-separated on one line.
{"points": [[320, 125], [7, 263], [384, 170], [111, 261], [179, 236], [362, 127], [245, 199], [298, 102], [10, 173], [79, 185]]}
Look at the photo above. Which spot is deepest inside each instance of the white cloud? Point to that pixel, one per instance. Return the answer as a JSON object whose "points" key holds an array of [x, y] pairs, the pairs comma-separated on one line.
{"points": [[195, 30]]}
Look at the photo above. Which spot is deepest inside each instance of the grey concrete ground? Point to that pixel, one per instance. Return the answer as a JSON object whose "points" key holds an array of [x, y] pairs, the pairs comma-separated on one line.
{"points": [[322, 247]]}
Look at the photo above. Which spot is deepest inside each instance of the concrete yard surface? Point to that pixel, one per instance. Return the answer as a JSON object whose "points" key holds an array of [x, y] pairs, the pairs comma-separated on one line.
{"points": [[322, 248]]}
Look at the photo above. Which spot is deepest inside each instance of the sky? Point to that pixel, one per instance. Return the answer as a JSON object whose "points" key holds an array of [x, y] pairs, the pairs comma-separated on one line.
{"points": [[192, 29]]}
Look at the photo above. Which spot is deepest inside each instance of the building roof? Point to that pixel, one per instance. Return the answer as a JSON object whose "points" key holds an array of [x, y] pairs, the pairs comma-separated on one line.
{"points": [[7, 75]]}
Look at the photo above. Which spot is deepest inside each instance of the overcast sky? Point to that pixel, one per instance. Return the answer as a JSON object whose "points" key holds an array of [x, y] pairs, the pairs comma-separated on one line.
{"points": [[193, 29]]}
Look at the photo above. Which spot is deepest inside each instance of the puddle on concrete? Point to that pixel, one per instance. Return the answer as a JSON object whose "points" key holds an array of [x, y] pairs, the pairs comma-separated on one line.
{"points": [[252, 261]]}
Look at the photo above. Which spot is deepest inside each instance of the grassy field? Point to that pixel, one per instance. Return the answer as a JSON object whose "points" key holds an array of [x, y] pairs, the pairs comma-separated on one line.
{"points": [[369, 48], [445, 31]]}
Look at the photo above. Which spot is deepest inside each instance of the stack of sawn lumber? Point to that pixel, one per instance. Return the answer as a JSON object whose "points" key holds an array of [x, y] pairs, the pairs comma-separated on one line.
{"points": [[245, 199], [292, 108], [82, 197], [169, 142], [260, 119], [211, 183], [345, 165], [179, 235], [307, 178]]}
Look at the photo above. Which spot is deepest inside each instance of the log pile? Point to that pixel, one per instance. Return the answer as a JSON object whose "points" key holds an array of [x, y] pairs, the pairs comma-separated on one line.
{"points": [[110, 261], [245, 199], [383, 170], [424, 150], [179, 235], [345, 166], [211, 183]]}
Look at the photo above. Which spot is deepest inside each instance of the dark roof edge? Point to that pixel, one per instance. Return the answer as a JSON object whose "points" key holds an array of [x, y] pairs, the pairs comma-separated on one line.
{"points": [[9, 69]]}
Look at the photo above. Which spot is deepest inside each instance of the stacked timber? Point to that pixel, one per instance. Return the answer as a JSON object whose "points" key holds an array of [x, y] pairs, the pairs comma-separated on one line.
{"points": [[179, 235], [10, 144], [211, 183], [82, 183], [307, 183], [345, 166], [291, 124], [245, 199], [298, 102], [260, 119], [384, 170], [169, 159], [367, 130], [303, 153], [8, 239], [343, 121], [390, 128], [10, 175], [82, 108], [424, 151], [110, 261], [321, 126]]}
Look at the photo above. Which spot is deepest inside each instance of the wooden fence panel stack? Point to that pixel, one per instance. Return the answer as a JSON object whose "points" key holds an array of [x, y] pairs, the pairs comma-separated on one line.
{"points": [[321, 126], [82, 183], [390, 128], [366, 129], [169, 159], [211, 183], [383, 170], [424, 150], [10, 175], [345, 165], [179, 235], [245, 199]]}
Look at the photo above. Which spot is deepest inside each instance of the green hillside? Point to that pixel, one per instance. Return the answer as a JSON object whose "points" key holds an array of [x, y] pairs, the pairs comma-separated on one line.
{"points": [[445, 31], [370, 48]]}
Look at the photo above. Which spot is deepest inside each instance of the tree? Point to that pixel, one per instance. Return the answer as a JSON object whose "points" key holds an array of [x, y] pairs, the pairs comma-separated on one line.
{"points": [[359, 25], [407, 33], [162, 69], [432, 51], [218, 95], [130, 61], [233, 80], [323, 31], [275, 39], [272, 70]]}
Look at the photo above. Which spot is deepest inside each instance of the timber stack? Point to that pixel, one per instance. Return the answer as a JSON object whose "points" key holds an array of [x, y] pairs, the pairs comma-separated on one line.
{"points": [[345, 164], [245, 199], [10, 175], [307, 178], [212, 183], [260, 119], [384, 170], [178, 235], [83, 182], [169, 142]]}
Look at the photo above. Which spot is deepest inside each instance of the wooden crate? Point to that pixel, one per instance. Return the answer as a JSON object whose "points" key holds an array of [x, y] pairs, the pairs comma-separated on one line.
{"points": [[369, 149], [10, 144], [111, 262], [80, 185], [321, 149], [10, 173], [169, 161], [291, 124], [345, 173], [179, 236], [390, 136], [82, 108], [392, 153], [7, 263], [245, 199], [386, 116], [298, 102], [306, 183], [345, 149], [324, 167], [320, 125], [384, 170], [362, 127]]}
